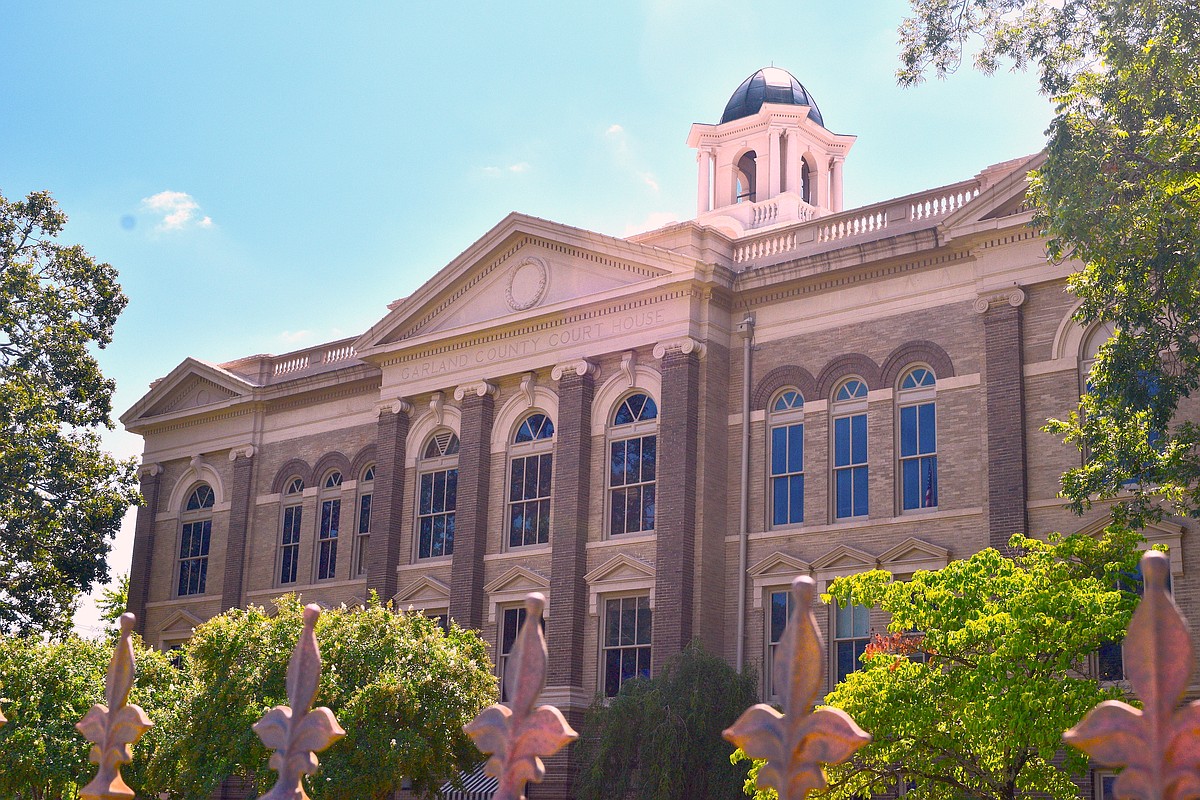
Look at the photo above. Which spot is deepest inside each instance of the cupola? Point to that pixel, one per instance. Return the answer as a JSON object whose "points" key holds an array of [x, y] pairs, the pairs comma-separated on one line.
{"points": [[770, 160]]}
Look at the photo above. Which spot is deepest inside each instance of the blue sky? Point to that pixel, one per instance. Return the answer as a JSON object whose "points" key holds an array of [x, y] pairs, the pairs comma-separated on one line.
{"points": [[267, 176]]}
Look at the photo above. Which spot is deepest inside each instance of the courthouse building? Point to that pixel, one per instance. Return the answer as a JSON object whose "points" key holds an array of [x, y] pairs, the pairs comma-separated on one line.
{"points": [[657, 432]]}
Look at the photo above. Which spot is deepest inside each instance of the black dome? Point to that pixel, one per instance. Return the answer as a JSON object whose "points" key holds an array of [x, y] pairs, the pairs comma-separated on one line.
{"points": [[769, 85]]}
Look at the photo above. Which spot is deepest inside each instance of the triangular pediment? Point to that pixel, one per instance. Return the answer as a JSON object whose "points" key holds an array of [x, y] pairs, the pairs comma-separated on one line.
{"points": [[779, 564], [1164, 532], [192, 386], [518, 579], [521, 268], [1003, 196], [911, 555], [181, 622], [619, 569], [845, 560], [424, 590]]}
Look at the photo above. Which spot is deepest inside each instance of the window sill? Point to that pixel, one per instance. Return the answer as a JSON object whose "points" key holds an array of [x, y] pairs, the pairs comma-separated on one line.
{"points": [[179, 601], [623, 539], [520, 552]]}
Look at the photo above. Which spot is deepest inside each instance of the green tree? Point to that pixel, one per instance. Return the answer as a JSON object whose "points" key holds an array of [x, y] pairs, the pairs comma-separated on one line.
{"points": [[45, 688], [1120, 192], [114, 600], [983, 667], [661, 738], [61, 496], [400, 687]]}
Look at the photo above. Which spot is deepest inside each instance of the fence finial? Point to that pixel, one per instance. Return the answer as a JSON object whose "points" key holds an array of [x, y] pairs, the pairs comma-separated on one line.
{"points": [[113, 728], [294, 732], [797, 742], [517, 738], [1158, 746]]}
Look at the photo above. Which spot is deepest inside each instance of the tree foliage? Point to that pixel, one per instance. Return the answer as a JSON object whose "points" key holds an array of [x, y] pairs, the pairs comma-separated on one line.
{"points": [[45, 688], [400, 687], [114, 600], [975, 704], [661, 738], [61, 497], [1120, 192]]}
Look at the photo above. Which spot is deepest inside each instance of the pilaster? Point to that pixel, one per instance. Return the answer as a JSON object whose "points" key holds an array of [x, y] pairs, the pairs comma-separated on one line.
{"points": [[1005, 392], [387, 523], [675, 517], [143, 544], [239, 524], [470, 523]]}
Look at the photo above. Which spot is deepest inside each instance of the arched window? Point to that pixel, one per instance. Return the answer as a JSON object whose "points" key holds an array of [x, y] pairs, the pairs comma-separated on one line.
{"points": [[787, 457], [330, 501], [1092, 342], [632, 465], [849, 412], [745, 176], [194, 541], [918, 439], [289, 543], [437, 495], [362, 533], [529, 475], [806, 174]]}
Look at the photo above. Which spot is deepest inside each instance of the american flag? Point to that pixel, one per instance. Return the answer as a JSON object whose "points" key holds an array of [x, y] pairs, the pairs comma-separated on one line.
{"points": [[929, 501]]}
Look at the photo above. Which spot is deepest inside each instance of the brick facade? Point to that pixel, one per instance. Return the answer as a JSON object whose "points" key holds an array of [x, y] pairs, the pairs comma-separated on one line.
{"points": [[602, 318]]}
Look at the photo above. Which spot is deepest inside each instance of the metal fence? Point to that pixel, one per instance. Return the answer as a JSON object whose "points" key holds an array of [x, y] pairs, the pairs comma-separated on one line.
{"points": [[1158, 746]]}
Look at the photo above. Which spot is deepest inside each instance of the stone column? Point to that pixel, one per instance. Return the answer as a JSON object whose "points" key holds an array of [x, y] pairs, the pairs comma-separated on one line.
{"points": [[774, 167], [471, 516], [569, 504], [675, 517], [818, 196], [239, 525], [143, 544], [387, 512], [794, 156], [569, 512], [1005, 392], [835, 185], [704, 181]]}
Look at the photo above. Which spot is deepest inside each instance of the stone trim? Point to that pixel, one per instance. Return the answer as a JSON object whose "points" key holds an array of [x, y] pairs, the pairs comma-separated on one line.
{"points": [[843, 367], [778, 378], [909, 353]]}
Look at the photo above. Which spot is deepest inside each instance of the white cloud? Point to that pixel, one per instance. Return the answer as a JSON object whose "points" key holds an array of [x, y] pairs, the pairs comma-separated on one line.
{"points": [[518, 167], [177, 210], [649, 179], [294, 337], [653, 221], [615, 130]]}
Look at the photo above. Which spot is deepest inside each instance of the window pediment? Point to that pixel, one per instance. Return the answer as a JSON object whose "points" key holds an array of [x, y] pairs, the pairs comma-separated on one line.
{"points": [[621, 573]]}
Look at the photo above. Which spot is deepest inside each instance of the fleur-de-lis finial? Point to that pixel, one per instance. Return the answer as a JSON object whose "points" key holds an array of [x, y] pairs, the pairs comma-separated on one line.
{"points": [[1158, 746], [797, 742], [519, 737], [113, 728], [294, 732]]}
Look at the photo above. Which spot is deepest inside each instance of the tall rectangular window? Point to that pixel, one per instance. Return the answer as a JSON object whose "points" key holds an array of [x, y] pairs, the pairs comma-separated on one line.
{"points": [[510, 626], [193, 557], [918, 456], [633, 467], [529, 500], [626, 647], [779, 613], [787, 474], [851, 635], [363, 537], [437, 499], [850, 466], [331, 512], [290, 544]]}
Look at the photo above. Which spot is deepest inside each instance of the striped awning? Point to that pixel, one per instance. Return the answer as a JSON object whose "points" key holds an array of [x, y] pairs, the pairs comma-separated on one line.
{"points": [[476, 785]]}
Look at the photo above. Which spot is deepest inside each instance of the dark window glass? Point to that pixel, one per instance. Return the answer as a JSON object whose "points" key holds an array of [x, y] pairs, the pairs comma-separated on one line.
{"points": [[852, 634], [331, 512], [918, 456], [850, 466], [193, 557], [632, 472], [437, 500], [290, 544], [626, 641]]}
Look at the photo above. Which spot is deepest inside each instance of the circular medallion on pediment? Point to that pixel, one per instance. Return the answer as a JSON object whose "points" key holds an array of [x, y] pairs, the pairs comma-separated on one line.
{"points": [[527, 283]]}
